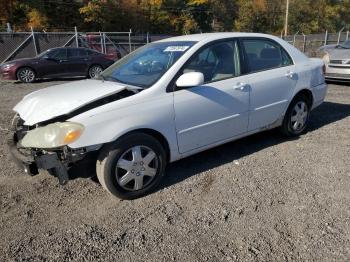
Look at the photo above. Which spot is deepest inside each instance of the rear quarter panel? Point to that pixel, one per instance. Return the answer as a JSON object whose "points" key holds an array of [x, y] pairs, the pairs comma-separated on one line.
{"points": [[311, 77]]}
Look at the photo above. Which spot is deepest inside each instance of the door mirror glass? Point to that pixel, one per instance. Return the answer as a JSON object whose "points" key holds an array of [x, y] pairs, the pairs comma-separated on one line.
{"points": [[190, 79]]}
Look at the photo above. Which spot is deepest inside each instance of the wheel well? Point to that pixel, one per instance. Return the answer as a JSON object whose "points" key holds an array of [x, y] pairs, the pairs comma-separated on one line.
{"points": [[308, 94], [25, 67], [157, 135], [95, 64]]}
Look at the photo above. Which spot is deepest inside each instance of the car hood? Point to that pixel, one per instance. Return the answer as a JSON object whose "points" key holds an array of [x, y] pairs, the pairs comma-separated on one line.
{"points": [[58, 100], [22, 60], [339, 53]]}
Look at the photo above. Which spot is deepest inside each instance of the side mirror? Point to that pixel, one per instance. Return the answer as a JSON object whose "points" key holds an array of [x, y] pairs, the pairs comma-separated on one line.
{"points": [[190, 79]]}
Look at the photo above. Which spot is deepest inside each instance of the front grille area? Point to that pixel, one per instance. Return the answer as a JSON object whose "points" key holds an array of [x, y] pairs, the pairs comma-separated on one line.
{"points": [[342, 76], [340, 62]]}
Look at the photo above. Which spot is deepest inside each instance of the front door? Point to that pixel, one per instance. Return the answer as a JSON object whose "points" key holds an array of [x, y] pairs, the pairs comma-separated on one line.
{"points": [[54, 63], [217, 110]]}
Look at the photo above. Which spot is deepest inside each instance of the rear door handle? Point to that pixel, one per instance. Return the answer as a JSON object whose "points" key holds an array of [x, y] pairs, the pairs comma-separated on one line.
{"points": [[240, 87]]}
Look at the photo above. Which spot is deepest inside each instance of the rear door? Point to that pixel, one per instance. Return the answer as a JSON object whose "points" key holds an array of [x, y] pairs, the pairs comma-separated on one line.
{"points": [[78, 61], [218, 109], [272, 78]]}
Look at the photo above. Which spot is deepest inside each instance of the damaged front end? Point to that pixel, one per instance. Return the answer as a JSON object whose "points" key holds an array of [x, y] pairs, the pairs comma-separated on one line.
{"points": [[56, 160], [42, 130]]}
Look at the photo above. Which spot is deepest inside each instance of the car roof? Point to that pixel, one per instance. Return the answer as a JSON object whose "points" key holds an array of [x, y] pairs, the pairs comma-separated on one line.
{"points": [[69, 47], [213, 36]]}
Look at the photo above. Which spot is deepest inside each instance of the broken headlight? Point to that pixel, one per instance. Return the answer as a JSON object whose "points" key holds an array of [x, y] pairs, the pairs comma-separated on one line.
{"points": [[53, 135]]}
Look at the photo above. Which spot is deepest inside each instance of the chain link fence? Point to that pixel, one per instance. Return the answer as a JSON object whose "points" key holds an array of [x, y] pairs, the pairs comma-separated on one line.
{"points": [[117, 44], [29, 44]]}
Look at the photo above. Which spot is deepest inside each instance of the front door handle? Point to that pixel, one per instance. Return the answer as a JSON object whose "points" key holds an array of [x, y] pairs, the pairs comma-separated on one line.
{"points": [[240, 87], [290, 74]]}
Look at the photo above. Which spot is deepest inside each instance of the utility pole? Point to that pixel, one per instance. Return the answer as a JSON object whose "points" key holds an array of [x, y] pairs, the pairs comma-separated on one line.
{"points": [[286, 22]]}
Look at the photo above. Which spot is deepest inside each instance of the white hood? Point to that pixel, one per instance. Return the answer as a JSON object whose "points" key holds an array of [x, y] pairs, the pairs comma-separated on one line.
{"points": [[57, 100]]}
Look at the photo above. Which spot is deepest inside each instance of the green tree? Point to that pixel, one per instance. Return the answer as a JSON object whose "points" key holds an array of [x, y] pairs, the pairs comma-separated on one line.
{"points": [[260, 16]]}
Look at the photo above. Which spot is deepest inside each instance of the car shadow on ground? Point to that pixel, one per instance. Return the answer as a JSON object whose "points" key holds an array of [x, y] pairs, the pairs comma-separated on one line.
{"points": [[327, 113]]}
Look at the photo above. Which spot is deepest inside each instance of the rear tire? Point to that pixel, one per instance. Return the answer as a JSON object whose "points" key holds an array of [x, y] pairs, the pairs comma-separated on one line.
{"points": [[297, 116], [132, 166], [26, 75]]}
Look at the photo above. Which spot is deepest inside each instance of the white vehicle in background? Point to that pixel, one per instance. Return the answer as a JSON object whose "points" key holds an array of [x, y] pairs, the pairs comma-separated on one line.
{"points": [[167, 100], [337, 61]]}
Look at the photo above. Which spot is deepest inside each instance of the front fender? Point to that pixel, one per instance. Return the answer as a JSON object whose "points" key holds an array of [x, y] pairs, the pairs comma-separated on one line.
{"points": [[110, 124]]}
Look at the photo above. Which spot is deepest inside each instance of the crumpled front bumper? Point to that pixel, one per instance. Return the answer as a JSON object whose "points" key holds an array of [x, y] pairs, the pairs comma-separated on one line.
{"points": [[31, 162]]}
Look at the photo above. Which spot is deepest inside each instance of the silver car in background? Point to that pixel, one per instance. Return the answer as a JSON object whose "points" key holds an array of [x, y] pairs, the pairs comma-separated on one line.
{"points": [[337, 61]]}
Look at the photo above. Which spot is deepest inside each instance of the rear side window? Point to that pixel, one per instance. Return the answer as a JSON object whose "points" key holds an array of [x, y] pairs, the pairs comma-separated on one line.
{"points": [[218, 61], [264, 55], [92, 53], [75, 52]]}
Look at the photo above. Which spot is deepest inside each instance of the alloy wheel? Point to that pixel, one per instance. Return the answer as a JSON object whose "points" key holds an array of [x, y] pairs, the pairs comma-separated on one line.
{"points": [[26, 75], [95, 71], [299, 116], [136, 168]]}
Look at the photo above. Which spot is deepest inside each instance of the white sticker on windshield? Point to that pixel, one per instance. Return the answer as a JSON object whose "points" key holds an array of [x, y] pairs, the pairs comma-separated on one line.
{"points": [[178, 48]]}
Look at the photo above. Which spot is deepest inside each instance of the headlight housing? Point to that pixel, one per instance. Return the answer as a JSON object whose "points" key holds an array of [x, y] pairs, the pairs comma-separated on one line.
{"points": [[7, 66], [326, 58], [53, 135], [323, 54]]}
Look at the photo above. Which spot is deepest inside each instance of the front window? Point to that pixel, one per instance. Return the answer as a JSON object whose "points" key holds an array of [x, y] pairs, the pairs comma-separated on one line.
{"points": [[148, 64], [57, 54], [216, 62]]}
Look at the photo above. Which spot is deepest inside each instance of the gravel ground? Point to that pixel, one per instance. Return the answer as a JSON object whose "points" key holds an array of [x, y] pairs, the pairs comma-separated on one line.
{"points": [[262, 198]]}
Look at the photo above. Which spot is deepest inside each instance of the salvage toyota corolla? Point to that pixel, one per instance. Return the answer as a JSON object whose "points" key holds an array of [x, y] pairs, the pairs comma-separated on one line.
{"points": [[166, 101]]}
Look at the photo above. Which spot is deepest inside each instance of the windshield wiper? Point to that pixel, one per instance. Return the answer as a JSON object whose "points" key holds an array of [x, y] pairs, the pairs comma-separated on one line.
{"points": [[114, 79], [128, 87]]}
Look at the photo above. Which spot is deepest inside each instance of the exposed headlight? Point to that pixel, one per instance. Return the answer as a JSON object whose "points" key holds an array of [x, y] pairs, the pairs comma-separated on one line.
{"points": [[53, 135], [326, 58], [7, 66]]}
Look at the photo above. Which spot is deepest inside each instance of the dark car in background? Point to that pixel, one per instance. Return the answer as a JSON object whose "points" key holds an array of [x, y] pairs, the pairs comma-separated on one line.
{"points": [[56, 63]]}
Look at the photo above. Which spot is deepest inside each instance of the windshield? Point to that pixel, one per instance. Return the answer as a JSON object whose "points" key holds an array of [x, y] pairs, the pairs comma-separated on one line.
{"points": [[53, 53], [346, 44], [43, 53], [147, 64]]}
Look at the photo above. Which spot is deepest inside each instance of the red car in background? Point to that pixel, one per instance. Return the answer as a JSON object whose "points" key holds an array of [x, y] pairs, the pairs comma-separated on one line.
{"points": [[55, 63], [97, 42]]}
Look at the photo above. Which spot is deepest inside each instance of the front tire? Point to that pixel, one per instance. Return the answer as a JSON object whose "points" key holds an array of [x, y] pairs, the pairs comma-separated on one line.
{"points": [[131, 167], [95, 71], [297, 116], [26, 75]]}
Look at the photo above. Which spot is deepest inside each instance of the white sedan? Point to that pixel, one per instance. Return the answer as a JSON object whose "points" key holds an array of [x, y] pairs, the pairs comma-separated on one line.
{"points": [[167, 100]]}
